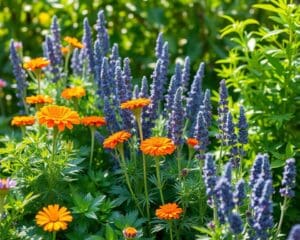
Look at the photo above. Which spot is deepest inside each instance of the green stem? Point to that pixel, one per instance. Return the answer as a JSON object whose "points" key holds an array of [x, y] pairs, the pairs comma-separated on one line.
{"points": [[124, 168], [23, 131], [283, 209], [138, 121], [179, 164], [54, 236], [92, 147], [170, 228], [159, 185], [190, 156], [66, 66], [38, 77]]}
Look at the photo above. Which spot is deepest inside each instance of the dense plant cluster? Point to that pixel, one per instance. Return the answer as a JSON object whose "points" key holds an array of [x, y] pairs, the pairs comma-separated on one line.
{"points": [[101, 157]]}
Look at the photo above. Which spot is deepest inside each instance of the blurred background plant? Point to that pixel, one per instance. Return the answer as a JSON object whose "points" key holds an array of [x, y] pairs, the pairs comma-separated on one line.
{"points": [[191, 28]]}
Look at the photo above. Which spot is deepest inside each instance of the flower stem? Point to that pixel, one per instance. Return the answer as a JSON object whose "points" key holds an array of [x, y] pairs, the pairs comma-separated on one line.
{"points": [[283, 208], [92, 146], [124, 168], [54, 236], [170, 228], [138, 121], [159, 185], [66, 66]]}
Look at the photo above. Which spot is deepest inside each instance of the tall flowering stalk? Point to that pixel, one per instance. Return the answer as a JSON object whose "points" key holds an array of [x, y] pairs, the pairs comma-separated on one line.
{"points": [[287, 191], [20, 76], [116, 141]]}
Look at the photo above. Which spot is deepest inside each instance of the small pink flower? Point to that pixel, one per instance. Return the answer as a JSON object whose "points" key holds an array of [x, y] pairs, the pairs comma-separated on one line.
{"points": [[18, 45], [2, 83]]}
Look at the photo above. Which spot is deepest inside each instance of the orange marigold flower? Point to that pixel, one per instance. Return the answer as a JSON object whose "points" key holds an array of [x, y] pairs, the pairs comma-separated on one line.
{"points": [[23, 121], [58, 116], [93, 121], [113, 140], [129, 232], [53, 218], [157, 146], [64, 50], [39, 99], [168, 211], [73, 42], [135, 103], [36, 63], [76, 92], [192, 142]]}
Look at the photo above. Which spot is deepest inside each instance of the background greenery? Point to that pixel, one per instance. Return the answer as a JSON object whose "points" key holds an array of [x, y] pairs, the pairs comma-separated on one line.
{"points": [[192, 27]]}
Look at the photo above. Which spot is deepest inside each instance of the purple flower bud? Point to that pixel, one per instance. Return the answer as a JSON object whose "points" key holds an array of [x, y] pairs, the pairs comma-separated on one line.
{"points": [[206, 108], [54, 64], [135, 92], [294, 233], [260, 168], [227, 173], [289, 179], [110, 116], [105, 78]]}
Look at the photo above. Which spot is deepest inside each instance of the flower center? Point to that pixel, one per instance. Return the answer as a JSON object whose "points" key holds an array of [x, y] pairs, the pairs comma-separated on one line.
{"points": [[54, 217]]}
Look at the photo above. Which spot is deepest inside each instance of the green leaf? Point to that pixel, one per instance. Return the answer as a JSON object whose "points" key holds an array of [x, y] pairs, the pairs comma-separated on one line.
{"points": [[203, 230], [277, 163], [109, 233], [269, 7], [274, 33]]}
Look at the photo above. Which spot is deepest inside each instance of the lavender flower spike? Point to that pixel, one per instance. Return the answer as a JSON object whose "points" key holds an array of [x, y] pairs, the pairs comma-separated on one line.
{"points": [[209, 175], [227, 173], [20, 75], [207, 108], [236, 223], [127, 77], [289, 179], [264, 212], [294, 233], [102, 34], [176, 120], [239, 194], [243, 127], [55, 30], [195, 95], [256, 169], [88, 44], [144, 88], [222, 110], [159, 45], [201, 132], [186, 73]]}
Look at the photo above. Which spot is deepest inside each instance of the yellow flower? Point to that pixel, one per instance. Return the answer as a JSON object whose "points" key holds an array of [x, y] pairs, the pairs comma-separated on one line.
{"points": [[36, 64], [39, 99], [157, 146], [192, 142], [135, 103], [44, 18], [53, 218], [73, 42], [118, 137], [168, 211], [58, 116], [74, 92], [129, 232], [22, 121], [93, 121]]}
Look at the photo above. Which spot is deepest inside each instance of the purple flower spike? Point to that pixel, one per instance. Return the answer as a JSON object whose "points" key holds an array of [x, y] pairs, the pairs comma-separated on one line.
{"points": [[222, 110], [294, 233], [88, 44], [209, 175], [236, 223], [195, 95], [144, 88], [102, 35], [127, 77], [186, 74], [289, 179], [239, 194], [176, 121], [55, 31], [243, 127], [159, 45]]}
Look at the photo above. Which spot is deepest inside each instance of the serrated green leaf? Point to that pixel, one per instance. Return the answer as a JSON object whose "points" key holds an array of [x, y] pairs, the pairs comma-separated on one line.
{"points": [[203, 230]]}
